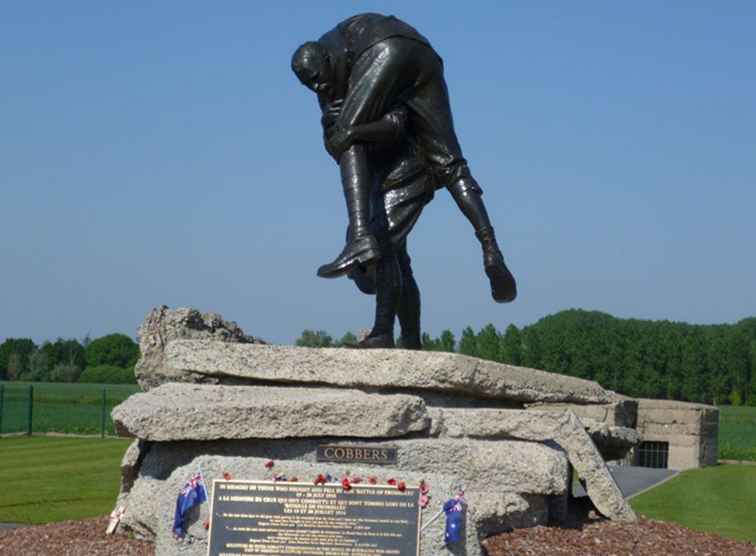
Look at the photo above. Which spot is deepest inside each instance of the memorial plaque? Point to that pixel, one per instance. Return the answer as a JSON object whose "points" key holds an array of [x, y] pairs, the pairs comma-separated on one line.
{"points": [[357, 454], [264, 517]]}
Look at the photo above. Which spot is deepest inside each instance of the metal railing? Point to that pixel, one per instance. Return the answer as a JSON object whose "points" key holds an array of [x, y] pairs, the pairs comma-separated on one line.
{"points": [[47, 407]]}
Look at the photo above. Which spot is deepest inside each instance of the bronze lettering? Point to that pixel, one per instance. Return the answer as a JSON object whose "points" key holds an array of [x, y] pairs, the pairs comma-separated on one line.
{"points": [[349, 454]]}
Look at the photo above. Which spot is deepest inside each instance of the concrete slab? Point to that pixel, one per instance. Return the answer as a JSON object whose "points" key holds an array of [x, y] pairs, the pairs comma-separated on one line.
{"points": [[632, 480]]}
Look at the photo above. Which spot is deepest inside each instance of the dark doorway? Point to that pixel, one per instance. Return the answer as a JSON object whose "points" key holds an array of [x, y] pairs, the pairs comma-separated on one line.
{"points": [[653, 454]]}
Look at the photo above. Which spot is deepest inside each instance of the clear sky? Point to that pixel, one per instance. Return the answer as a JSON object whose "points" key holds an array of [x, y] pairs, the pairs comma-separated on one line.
{"points": [[163, 153]]}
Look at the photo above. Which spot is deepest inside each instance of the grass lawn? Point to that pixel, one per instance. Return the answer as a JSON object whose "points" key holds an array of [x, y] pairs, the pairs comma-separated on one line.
{"points": [[719, 499], [54, 479], [737, 433]]}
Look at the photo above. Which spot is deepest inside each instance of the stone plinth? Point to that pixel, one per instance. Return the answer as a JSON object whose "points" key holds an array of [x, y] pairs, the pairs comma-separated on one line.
{"points": [[190, 412], [226, 402]]}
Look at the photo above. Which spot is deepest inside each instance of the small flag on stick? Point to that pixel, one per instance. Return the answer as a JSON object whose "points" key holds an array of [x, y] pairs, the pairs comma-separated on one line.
{"points": [[454, 510], [193, 494]]}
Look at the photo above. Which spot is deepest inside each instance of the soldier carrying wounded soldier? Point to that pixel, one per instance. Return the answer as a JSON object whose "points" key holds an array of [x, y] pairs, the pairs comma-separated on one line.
{"points": [[388, 124]]}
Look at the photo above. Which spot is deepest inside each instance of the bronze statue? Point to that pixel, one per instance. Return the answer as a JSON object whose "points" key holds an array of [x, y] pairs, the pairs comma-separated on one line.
{"points": [[388, 124]]}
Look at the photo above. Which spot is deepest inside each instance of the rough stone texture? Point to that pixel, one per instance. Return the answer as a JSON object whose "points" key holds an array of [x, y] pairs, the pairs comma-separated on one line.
{"points": [[614, 443], [393, 368], [524, 467], [184, 345], [162, 325], [691, 429], [533, 470], [209, 412], [563, 428], [492, 513], [622, 412], [130, 466]]}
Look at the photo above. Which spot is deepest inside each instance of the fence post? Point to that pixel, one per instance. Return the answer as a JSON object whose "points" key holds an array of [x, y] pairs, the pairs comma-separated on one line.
{"points": [[2, 396], [102, 413], [31, 405]]}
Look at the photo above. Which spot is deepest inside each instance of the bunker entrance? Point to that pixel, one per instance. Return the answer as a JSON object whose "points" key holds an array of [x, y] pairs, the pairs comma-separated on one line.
{"points": [[653, 454]]}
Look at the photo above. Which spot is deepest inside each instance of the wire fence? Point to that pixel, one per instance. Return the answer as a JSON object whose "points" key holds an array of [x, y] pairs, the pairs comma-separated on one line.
{"points": [[51, 407]]}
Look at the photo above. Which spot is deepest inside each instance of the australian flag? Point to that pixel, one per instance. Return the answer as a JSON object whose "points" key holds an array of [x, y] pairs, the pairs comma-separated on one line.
{"points": [[193, 494], [455, 520]]}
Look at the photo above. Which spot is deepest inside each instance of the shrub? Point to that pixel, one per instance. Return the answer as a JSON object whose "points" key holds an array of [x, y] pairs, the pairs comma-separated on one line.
{"points": [[108, 374], [64, 372], [113, 349]]}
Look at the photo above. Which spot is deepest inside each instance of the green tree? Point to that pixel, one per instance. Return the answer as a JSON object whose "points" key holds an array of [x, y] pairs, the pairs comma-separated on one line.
{"points": [[22, 348], [39, 366], [488, 343], [348, 339], [531, 348], [429, 343], [315, 339], [15, 368], [108, 374], [65, 352], [114, 349], [511, 346], [693, 368], [65, 372], [447, 341], [468, 344]]}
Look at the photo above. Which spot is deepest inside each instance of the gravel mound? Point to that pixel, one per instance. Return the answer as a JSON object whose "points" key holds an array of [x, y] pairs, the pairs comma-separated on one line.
{"points": [[612, 538], [71, 538], [597, 538]]}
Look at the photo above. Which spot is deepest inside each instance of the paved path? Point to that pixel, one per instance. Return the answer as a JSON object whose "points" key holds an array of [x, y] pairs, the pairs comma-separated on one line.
{"points": [[632, 480], [11, 526]]}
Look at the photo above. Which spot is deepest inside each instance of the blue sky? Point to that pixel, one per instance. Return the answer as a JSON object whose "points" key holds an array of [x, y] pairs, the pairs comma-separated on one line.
{"points": [[163, 153]]}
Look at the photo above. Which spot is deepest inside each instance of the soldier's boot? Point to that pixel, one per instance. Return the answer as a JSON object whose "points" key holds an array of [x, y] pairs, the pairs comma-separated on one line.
{"points": [[385, 341], [411, 341], [468, 196], [503, 285], [361, 247], [409, 307], [387, 295]]}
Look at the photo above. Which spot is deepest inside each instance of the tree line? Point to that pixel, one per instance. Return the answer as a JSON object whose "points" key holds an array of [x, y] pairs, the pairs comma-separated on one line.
{"points": [[639, 358], [109, 360]]}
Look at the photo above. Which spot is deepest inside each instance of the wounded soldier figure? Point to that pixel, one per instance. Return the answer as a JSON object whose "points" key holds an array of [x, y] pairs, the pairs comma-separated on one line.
{"points": [[362, 70]]}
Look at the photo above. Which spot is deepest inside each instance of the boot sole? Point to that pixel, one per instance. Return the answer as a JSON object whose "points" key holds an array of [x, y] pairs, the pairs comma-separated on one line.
{"points": [[503, 285], [365, 257]]}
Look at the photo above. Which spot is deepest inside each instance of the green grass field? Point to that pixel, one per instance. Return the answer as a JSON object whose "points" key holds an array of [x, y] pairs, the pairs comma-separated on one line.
{"points": [[737, 433], [60, 407], [719, 499], [49, 479]]}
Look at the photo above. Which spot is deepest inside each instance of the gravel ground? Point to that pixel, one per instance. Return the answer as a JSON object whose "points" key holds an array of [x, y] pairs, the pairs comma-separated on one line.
{"points": [[71, 538], [608, 538], [597, 538]]}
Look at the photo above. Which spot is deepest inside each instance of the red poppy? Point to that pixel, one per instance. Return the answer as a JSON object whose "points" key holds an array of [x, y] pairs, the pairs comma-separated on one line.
{"points": [[269, 464], [401, 486], [320, 479], [345, 484], [226, 476], [206, 524], [424, 488], [372, 480], [391, 482]]}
